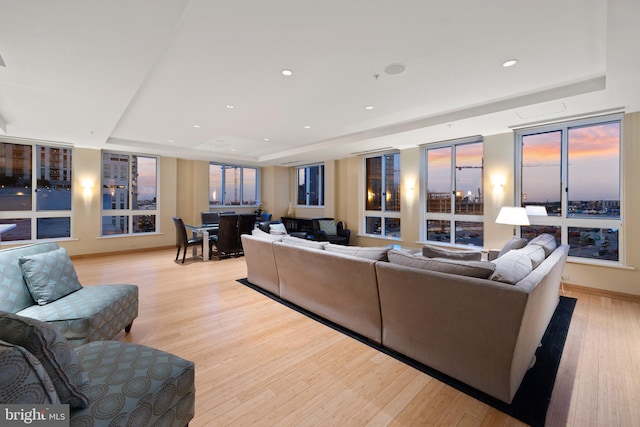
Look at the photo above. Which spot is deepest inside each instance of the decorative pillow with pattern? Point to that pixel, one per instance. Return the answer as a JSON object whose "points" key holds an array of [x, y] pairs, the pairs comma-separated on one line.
{"points": [[53, 351], [328, 226], [49, 276]]}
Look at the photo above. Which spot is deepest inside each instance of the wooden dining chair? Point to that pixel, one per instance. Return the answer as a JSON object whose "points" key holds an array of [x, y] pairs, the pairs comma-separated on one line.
{"points": [[182, 240]]}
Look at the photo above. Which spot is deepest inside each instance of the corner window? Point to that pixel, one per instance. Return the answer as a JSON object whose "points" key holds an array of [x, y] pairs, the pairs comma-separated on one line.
{"points": [[310, 185], [454, 200], [37, 201], [382, 198], [231, 185], [129, 194], [569, 178]]}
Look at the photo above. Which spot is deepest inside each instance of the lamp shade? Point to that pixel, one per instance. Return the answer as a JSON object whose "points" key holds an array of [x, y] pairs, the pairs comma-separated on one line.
{"points": [[512, 216], [536, 210]]}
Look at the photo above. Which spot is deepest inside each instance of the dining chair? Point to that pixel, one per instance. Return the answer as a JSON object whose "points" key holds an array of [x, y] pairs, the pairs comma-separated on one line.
{"points": [[182, 240], [226, 241], [246, 223]]}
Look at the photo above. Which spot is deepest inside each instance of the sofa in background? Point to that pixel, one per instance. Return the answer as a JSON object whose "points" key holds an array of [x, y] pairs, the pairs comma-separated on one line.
{"points": [[477, 321], [39, 281], [105, 383]]}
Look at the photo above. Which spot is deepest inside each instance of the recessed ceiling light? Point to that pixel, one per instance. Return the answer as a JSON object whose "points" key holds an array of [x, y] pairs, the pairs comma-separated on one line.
{"points": [[287, 72], [231, 106], [171, 141], [395, 69], [266, 139], [196, 126], [510, 63], [307, 127], [369, 107]]}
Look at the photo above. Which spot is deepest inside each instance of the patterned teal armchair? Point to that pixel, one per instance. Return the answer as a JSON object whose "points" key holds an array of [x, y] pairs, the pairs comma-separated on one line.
{"points": [[105, 383]]}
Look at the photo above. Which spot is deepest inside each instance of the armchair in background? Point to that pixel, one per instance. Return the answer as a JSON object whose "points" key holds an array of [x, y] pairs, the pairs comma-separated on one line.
{"points": [[330, 230]]}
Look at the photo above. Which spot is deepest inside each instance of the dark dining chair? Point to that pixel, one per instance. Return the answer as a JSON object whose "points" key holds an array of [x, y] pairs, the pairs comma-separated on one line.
{"points": [[182, 240], [226, 241], [246, 223]]}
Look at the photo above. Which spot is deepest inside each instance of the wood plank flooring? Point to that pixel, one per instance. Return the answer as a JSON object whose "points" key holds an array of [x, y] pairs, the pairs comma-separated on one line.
{"points": [[260, 363]]}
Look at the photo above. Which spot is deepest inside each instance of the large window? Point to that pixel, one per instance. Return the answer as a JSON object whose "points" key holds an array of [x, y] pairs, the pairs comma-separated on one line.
{"points": [[454, 200], [231, 185], [37, 201], [570, 173], [129, 194], [382, 198], [310, 185]]}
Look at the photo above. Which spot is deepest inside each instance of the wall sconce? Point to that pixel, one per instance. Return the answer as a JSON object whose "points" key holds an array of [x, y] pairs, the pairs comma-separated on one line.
{"points": [[498, 182], [87, 190]]}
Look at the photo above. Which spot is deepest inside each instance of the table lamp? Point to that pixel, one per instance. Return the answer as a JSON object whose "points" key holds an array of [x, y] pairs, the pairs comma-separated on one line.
{"points": [[512, 216]]}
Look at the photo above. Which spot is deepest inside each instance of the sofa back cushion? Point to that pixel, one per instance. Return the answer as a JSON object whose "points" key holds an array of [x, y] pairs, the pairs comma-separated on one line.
{"points": [[374, 253], [259, 233], [296, 241], [432, 251], [14, 294], [53, 351], [512, 267], [546, 241], [513, 243], [479, 269], [49, 276]]}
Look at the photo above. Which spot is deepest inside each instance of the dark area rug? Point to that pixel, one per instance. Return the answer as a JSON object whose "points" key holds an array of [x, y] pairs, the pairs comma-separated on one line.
{"points": [[532, 399]]}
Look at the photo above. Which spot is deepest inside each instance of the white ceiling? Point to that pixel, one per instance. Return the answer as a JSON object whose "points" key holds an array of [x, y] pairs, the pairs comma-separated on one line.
{"points": [[138, 75]]}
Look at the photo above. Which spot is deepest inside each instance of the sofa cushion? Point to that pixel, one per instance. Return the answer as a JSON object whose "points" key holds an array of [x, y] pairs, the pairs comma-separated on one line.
{"points": [[535, 253], [547, 241], [277, 229], [328, 226], [290, 240], [256, 232], [431, 251], [374, 253], [512, 267], [479, 269], [22, 377], [49, 275], [54, 353], [513, 243]]}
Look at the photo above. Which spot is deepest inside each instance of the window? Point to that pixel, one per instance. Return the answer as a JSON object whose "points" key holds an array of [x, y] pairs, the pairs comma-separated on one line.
{"points": [[310, 185], [454, 201], [45, 212], [129, 194], [382, 199], [572, 170], [233, 186]]}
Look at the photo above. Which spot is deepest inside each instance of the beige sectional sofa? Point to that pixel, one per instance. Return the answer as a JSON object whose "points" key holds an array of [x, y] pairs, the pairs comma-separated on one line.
{"points": [[479, 322]]}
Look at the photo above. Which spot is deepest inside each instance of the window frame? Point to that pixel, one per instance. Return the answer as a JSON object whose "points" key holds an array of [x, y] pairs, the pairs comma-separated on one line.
{"points": [[321, 185], [33, 214], [387, 217], [564, 221], [130, 212], [451, 217], [241, 186]]}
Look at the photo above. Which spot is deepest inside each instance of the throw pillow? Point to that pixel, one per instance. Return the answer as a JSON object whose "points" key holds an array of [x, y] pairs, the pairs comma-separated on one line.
{"points": [[374, 253], [53, 351], [49, 275], [479, 269], [277, 229], [431, 251], [547, 241], [328, 226], [512, 267], [513, 243], [535, 253]]}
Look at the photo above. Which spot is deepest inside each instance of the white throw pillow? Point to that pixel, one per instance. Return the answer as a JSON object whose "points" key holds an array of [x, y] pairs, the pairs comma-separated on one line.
{"points": [[512, 267], [277, 229]]}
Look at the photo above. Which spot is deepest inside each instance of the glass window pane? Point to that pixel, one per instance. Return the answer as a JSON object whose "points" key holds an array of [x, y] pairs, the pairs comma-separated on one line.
{"points": [[439, 231], [469, 173], [594, 243], [541, 172], [594, 171], [21, 232], [469, 233], [374, 183], [52, 228], [215, 185], [114, 225], [373, 225], [115, 181], [302, 185], [392, 182], [249, 186], [439, 180], [53, 191], [392, 227], [15, 177], [143, 184], [144, 224], [529, 232], [314, 186], [232, 185]]}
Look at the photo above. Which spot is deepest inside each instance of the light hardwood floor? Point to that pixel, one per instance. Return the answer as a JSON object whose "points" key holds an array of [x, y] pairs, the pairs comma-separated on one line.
{"points": [[260, 363]]}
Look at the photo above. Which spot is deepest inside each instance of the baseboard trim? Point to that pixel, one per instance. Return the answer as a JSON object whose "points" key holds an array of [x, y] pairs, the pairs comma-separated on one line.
{"points": [[126, 251], [601, 292]]}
